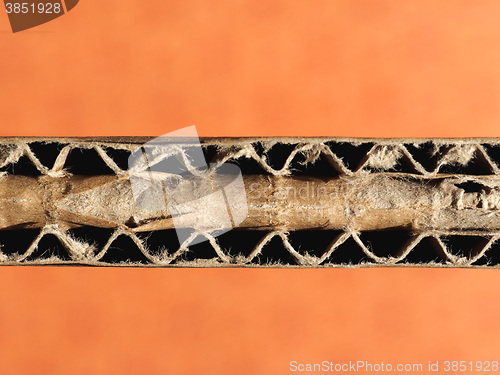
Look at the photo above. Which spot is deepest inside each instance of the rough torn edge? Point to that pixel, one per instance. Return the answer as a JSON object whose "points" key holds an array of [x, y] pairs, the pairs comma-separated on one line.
{"points": [[385, 154]]}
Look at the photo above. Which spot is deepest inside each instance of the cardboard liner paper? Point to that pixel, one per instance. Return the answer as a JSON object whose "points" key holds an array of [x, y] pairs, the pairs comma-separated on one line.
{"points": [[310, 202]]}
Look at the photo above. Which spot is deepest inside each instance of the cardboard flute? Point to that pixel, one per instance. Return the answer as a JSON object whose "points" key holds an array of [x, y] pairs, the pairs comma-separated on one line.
{"points": [[361, 203], [435, 192]]}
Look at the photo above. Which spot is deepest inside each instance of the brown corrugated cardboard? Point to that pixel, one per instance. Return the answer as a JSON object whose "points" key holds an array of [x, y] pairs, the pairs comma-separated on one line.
{"points": [[312, 202]]}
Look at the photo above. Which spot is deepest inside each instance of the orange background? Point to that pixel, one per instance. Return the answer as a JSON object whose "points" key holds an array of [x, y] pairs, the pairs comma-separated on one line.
{"points": [[249, 68]]}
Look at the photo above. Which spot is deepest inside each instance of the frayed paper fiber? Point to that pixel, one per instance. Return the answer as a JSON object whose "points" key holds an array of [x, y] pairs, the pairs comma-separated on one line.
{"points": [[309, 202]]}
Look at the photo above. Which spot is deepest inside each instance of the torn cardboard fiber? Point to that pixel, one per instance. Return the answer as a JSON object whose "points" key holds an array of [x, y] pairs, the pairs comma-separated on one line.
{"points": [[311, 202]]}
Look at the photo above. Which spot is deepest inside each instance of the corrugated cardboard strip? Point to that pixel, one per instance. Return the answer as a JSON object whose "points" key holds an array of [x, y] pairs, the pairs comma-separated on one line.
{"points": [[312, 202]]}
